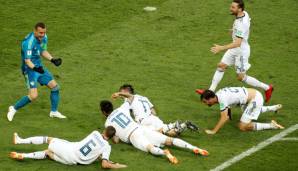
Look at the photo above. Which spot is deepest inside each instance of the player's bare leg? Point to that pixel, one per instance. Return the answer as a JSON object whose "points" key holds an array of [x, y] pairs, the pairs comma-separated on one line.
{"points": [[256, 83], [183, 144], [256, 126], [55, 97]]}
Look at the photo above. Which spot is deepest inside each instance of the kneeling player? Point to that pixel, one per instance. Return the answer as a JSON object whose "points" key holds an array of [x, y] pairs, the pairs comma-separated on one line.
{"points": [[250, 99], [145, 114], [141, 137], [93, 147]]}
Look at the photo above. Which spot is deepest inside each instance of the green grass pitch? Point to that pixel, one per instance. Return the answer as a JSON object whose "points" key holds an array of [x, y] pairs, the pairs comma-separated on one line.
{"points": [[165, 55]]}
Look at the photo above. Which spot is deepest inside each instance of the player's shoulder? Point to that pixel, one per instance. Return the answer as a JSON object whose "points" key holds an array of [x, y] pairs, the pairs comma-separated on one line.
{"points": [[29, 39]]}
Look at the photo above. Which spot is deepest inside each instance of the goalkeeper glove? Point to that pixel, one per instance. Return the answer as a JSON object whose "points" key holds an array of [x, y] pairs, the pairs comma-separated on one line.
{"points": [[57, 61], [38, 69]]}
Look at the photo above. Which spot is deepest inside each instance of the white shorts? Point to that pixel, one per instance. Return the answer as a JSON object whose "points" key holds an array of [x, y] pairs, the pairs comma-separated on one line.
{"points": [[142, 137], [238, 58], [63, 151], [253, 109], [152, 122]]}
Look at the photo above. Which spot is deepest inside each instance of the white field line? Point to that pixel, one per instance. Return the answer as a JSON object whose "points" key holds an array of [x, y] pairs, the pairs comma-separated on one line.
{"points": [[289, 139], [255, 148]]}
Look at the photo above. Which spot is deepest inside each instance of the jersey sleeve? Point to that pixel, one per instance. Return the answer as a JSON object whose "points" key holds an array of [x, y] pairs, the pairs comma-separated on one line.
{"points": [[239, 30], [223, 106], [106, 152], [149, 103], [44, 45], [125, 106]]}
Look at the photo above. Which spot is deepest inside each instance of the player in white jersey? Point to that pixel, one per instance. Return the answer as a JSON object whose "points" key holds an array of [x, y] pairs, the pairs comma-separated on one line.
{"points": [[142, 138], [145, 114], [94, 146], [237, 53], [250, 99]]}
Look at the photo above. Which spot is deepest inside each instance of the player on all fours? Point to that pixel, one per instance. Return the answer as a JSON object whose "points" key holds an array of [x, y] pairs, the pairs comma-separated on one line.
{"points": [[251, 101], [33, 47], [237, 53], [145, 114], [142, 138], [94, 146]]}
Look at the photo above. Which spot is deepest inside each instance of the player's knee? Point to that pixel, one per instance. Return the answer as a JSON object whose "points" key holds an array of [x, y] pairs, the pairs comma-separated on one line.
{"points": [[221, 67], [240, 77], [169, 141], [242, 126], [55, 88], [33, 96]]}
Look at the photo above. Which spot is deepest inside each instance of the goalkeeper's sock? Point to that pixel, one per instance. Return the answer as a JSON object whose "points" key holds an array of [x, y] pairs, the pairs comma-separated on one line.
{"points": [[55, 98], [35, 155], [33, 140], [22, 102], [262, 126], [182, 144], [157, 151]]}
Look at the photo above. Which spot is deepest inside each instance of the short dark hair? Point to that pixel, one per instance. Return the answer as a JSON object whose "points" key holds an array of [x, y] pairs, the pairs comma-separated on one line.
{"points": [[110, 131], [208, 94], [240, 4], [40, 24], [127, 87], [106, 107]]}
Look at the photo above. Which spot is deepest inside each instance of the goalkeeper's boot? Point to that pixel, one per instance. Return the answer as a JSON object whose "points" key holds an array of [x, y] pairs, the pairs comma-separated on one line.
{"points": [[57, 115], [11, 113]]}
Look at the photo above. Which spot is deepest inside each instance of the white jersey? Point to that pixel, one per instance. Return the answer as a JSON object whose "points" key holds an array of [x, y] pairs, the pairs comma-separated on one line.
{"points": [[231, 96], [121, 120], [141, 107], [91, 148], [241, 29]]}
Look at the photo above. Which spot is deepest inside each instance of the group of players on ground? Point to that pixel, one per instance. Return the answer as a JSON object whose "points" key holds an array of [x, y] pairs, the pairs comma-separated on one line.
{"points": [[135, 121]]}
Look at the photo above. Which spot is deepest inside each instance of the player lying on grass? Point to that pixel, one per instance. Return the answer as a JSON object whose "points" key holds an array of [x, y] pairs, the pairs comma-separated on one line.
{"points": [[250, 99], [145, 114], [34, 46], [142, 138], [94, 146]]}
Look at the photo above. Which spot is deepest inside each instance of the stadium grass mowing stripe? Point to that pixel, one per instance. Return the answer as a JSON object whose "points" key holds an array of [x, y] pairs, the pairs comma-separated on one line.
{"points": [[254, 149]]}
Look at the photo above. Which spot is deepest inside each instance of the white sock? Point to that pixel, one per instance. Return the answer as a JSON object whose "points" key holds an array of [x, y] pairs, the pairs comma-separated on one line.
{"points": [[168, 127], [255, 83], [269, 108], [157, 151], [182, 144], [35, 155], [262, 126], [218, 75], [33, 140]]}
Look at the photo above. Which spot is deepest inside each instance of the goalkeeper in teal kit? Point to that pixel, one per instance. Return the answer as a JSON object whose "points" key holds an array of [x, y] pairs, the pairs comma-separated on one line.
{"points": [[34, 46]]}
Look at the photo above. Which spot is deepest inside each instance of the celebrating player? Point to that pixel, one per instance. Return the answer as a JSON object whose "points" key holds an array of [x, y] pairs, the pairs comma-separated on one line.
{"points": [[94, 146], [237, 53], [250, 99], [145, 114], [141, 137], [33, 46]]}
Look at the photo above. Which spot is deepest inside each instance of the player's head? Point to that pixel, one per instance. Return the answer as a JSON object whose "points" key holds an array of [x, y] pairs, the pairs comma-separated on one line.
{"points": [[106, 107], [209, 98], [236, 7], [127, 88], [109, 132], [40, 30]]}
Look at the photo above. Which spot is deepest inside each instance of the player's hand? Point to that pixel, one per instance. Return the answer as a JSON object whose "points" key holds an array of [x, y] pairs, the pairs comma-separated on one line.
{"points": [[216, 48], [210, 132], [115, 96], [38, 69], [119, 166], [56, 61]]}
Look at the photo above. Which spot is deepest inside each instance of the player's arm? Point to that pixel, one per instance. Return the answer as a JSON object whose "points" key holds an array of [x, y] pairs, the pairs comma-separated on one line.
{"points": [[48, 56], [106, 164], [115, 139], [29, 63], [218, 48], [224, 117], [123, 95]]}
